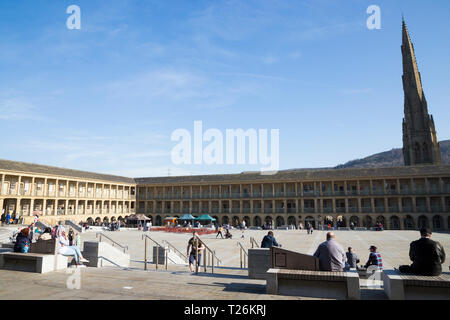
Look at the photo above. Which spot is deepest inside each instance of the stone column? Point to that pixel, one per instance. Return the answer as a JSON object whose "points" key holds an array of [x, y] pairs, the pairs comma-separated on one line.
{"points": [[31, 207], [44, 207], [55, 209], [66, 207], [1, 189]]}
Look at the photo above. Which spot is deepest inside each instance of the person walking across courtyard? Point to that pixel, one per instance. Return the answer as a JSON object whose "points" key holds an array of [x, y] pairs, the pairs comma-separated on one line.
{"points": [[195, 245], [219, 232]]}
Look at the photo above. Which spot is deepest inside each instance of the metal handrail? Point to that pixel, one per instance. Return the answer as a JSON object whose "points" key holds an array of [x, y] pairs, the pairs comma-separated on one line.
{"points": [[212, 252], [212, 256], [144, 236], [253, 242], [242, 249], [114, 242], [176, 250]]}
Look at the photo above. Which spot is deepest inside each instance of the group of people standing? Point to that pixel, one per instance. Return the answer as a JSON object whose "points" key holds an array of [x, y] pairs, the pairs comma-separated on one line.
{"points": [[7, 218]]}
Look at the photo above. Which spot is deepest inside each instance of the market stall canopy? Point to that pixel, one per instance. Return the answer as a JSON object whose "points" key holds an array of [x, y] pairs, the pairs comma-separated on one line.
{"points": [[171, 218], [205, 217], [138, 217], [187, 217]]}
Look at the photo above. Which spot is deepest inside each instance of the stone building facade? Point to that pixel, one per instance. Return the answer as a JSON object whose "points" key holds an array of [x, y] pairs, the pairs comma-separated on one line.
{"points": [[62, 194], [399, 198]]}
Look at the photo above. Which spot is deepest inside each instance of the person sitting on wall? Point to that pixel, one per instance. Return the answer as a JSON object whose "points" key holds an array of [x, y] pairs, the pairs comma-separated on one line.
{"points": [[427, 256], [331, 254], [22, 241], [352, 259], [374, 258], [66, 250], [269, 241]]}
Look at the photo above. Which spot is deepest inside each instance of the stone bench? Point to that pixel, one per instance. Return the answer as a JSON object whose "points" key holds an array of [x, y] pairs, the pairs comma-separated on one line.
{"points": [[398, 286], [42, 258], [317, 284], [32, 262]]}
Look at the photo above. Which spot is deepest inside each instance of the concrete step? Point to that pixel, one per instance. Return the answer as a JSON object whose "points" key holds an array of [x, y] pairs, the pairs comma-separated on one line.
{"points": [[102, 254]]}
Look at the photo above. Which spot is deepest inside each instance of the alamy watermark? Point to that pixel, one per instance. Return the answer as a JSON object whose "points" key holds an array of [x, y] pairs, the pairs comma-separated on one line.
{"points": [[374, 21], [231, 148], [74, 20], [74, 280]]}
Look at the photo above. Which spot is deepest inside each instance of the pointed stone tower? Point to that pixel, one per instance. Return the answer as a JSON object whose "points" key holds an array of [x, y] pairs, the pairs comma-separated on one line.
{"points": [[420, 144]]}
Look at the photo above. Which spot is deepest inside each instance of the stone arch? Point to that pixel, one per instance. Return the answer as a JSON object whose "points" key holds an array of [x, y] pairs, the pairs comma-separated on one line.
{"points": [[310, 220], [158, 220], [236, 221], [247, 221], [291, 221], [225, 220], [409, 223], [367, 222], [98, 221], [90, 221], [268, 219], [394, 223], [341, 222], [422, 222], [382, 220], [113, 219], [328, 220], [257, 221], [438, 223], [355, 221], [217, 220], [279, 221]]}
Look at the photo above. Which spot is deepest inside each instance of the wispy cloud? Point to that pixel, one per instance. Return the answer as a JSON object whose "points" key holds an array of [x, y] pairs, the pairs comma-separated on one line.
{"points": [[18, 109]]}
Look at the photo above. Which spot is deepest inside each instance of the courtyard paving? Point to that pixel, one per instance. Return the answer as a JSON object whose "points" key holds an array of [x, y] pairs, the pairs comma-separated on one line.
{"points": [[228, 282]]}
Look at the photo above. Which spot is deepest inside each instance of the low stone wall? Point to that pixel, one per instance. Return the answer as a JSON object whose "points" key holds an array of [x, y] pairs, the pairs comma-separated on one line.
{"points": [[258, 263], [314, 284], [399, 286]]}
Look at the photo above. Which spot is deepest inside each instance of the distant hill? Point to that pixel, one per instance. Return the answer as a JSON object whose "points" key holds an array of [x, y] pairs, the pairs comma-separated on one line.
{"points": [[393, 158]]}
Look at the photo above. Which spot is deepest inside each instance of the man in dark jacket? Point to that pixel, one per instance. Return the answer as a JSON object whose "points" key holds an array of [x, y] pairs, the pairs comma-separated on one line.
{"points": [[269, 241], [352, 258], [427, 256]]}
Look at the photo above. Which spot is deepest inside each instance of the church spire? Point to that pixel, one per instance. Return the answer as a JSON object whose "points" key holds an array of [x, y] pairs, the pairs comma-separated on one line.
{"points": [[410, 68], [420, 145]]}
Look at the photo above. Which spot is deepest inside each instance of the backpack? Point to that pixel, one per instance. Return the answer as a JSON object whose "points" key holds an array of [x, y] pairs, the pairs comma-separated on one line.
{"points": [[24, 247]]}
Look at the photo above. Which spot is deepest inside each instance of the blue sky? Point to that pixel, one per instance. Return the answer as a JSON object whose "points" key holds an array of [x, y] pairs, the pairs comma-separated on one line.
{"points": [[106, 98]]}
